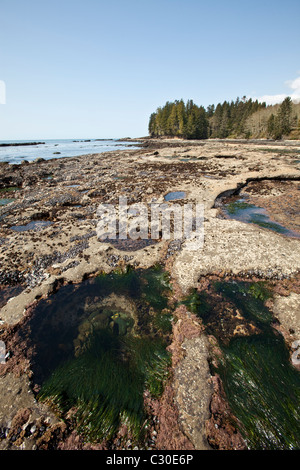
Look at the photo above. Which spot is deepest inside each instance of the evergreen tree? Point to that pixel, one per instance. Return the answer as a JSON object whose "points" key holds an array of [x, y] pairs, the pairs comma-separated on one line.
{"points": [[177, 119], [172, 123], [225, 123], [285, 112], [217, 120], [152, 124], [202, 123], [210, 110], [281, 124], [181, 117]]}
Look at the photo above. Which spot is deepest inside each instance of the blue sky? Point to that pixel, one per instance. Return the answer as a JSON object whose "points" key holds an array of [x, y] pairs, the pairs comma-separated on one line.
{"points": [[97, 69]]}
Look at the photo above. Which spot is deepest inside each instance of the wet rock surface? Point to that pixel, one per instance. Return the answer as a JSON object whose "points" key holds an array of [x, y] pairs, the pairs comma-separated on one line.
{"points": [[64, 195]]}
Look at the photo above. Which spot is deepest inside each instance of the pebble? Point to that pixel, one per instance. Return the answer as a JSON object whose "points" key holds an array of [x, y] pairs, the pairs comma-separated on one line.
{"points": [[33, 429]]}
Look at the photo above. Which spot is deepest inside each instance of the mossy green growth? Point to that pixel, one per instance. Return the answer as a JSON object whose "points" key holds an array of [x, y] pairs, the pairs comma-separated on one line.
{"points": [[152, 285], [198, 303], [9, 189], [259, 290], [249, 213], [261, 385], [263, 221], [106, 383], [155, 284], [152, 360], [106, 380], [263, 391], [249, 298], [163, 321], [235, 207]]}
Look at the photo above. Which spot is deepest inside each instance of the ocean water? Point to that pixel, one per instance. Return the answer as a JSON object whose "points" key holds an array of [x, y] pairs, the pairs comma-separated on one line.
{"points": [[65, 147]]}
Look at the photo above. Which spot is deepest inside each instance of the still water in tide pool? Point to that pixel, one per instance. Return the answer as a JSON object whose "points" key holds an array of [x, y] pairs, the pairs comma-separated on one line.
{"points": [[261, 385], [99, 345], [243, 211]]}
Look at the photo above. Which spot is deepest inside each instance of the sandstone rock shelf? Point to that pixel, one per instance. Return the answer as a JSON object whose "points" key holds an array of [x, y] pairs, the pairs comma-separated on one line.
{"points": [[65, 193]]}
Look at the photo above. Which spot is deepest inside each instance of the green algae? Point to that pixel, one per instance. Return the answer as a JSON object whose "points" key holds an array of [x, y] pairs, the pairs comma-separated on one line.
{"points": [[9, 189], [249, 298], [163, 321], [198, 303], [263, 391], [262, 221], [106, 383], [261, 385], [152, 285], [249, 213], [233, 208], [120, 353]]}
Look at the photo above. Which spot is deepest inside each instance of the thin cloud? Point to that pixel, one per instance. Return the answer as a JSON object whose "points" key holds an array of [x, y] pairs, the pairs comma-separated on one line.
{"points": [[294, 85]]}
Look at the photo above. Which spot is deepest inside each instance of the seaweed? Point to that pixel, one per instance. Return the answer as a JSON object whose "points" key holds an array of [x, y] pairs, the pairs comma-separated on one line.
{"points": [[198, 303], [263, 391], [235, 207], [262, 221], [115, 360], [250, 213], [105, 384], [249, 298], [261, 385]]}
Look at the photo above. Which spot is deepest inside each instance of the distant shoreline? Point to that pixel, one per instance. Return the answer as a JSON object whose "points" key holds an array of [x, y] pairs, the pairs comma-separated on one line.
{"points": [[18, 144]]}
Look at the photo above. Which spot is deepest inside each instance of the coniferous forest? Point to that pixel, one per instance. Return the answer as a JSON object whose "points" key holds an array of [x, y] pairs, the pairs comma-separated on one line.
{"points": [[242, 118]]}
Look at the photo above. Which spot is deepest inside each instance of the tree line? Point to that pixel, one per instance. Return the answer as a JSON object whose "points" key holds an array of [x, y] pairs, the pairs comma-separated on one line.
{"points": [[178, 119], [227, 119], [281, 123]]}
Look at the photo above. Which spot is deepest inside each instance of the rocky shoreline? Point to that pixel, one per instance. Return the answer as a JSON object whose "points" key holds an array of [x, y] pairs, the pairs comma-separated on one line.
{"points": [[48, 239]]}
